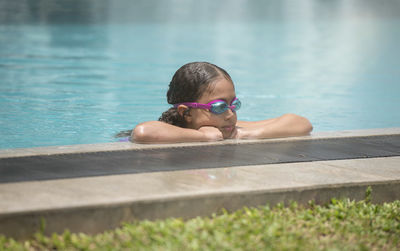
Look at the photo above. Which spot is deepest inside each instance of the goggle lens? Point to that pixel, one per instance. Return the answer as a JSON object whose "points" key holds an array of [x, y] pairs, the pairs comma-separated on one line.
{"points": [[221, 107], [237, 104]]}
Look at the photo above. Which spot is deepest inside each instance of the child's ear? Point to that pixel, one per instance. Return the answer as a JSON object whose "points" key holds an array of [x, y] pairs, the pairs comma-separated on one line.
{"points": [[184, 111]]}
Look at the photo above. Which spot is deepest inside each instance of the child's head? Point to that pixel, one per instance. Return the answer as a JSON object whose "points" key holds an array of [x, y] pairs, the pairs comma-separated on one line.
{"points": [[198, 82]]}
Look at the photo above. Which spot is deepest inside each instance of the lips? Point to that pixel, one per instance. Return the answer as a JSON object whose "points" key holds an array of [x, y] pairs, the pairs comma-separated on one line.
{"points": [[228, 128]]}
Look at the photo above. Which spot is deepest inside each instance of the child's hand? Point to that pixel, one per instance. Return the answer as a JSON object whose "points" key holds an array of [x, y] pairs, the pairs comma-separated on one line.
{"points": [[211, 133]]}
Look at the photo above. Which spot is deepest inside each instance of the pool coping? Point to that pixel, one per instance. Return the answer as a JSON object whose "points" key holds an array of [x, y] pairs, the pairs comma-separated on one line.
{"points": [[95, 204], [118, 146]]}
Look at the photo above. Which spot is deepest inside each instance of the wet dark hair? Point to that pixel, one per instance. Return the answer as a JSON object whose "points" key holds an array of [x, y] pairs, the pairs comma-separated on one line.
{"points": [[187, 85]]}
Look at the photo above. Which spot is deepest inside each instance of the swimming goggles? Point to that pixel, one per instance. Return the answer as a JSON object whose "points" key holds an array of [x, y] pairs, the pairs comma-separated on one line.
{"points": [[217, 106]]}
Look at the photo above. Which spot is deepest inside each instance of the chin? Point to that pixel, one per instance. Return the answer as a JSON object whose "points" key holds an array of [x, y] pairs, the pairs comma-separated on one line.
{"points": [[228, 135]]}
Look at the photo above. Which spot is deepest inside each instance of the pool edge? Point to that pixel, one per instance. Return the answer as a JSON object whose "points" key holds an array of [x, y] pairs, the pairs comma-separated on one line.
{"points": [[120, 146], [109, 212]]}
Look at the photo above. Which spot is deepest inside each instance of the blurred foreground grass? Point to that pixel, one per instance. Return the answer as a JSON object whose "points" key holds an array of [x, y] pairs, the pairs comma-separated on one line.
{"points": [[340, 225]]}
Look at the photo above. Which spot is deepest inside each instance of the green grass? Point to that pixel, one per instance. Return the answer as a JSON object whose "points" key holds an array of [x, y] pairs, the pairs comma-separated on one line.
{"points": [[340, 225]]}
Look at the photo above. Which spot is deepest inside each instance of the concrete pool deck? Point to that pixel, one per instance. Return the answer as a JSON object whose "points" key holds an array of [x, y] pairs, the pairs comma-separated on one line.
{"points": [[37, 183]]}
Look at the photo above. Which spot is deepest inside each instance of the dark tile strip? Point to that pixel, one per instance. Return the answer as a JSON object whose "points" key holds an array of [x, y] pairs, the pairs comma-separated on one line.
{"points": [[63, 166]]}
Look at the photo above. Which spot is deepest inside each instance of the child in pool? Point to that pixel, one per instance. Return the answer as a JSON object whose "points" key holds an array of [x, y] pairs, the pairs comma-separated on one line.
{"points": [[204, 109]]}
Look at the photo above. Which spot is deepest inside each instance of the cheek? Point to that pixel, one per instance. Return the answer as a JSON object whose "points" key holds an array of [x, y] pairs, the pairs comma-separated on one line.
{"points": [[203, 118]]}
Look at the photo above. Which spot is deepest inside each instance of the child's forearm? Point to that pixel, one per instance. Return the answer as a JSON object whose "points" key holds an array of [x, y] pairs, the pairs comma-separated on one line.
{"points": [[285, 126], [160, 132]]}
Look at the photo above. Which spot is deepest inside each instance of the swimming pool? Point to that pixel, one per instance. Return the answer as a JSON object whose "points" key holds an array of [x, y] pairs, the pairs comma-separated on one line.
{"points": [[75, 72]]}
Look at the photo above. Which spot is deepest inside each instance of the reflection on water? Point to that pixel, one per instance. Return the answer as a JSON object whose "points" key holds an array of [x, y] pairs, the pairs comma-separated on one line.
{"points": [[190, 11], [80, 71]]}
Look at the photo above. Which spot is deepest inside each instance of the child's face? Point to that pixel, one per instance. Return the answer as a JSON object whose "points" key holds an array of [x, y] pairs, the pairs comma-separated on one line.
{"points": [[225, 122]]}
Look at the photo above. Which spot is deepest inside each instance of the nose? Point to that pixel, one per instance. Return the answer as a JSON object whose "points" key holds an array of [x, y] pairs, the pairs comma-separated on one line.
{"points": [[229, 114]]}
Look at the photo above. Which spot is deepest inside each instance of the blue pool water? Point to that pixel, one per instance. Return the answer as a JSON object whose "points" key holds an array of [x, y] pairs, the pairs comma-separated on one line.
{"points": [[74, 72]]}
